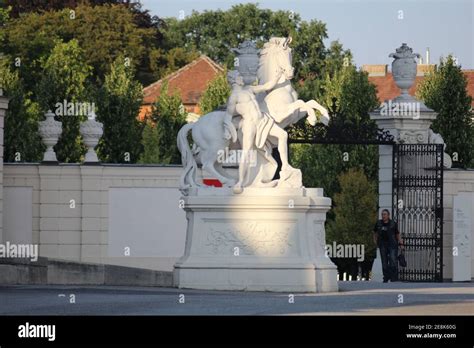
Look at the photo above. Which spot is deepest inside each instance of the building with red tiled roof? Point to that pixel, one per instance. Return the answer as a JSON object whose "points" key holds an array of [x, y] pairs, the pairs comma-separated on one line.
{"points": [[190, 82], [387, 89]]}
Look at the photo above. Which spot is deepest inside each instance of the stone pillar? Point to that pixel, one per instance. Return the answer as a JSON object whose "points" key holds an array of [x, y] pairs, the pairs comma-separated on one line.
{"points": [[406, 130], [3, 109], [406, 118]]}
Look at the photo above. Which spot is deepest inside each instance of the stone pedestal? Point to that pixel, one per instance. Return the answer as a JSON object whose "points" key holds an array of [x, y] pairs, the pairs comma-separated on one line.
{"points": [[259, 240]]}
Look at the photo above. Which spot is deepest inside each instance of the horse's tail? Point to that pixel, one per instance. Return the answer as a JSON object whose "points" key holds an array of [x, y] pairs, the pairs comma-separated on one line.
{"points": [[188, 177]]}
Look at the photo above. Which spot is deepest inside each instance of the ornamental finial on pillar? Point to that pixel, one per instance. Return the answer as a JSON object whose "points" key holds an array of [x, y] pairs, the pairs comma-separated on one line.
{"points": [[404, 68]]}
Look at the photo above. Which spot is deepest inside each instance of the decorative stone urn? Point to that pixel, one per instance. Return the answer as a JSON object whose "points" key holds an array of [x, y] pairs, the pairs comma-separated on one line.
{"points": [[50, 130], [247, 61], [91, 132], [404, 68]]}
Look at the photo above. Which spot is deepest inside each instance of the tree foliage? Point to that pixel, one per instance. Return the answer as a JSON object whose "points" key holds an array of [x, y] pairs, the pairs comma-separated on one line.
{"points": [[118, 103], [355, 208], [103, 32], [350, 97], [215, 95], [445, 91], [4, 16], [159, 136], [322, 163], [22, 142], [214, 33], [64, 78], [142, 17]]}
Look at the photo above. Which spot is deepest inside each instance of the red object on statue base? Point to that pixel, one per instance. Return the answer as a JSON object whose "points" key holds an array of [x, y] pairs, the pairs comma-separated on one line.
{"points": [[212, 182]]}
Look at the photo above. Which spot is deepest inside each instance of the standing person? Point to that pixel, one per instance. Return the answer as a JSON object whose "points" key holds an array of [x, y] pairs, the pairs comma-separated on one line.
{"points": [[387, 238]]}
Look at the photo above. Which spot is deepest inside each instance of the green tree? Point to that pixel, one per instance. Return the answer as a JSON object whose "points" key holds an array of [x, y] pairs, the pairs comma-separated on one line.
{"points": [[445, 91], [214, 32], [322, 163], [350, 97], [20, 7], [32, 36], [22, 141], [4, 16], [165, 61], [355, 209], [118, 103], [215, 95], [151, 144], [159, 136], [65, 79]]}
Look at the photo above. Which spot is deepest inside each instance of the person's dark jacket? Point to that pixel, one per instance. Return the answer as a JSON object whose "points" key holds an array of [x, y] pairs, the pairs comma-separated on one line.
{"points": [[386, 234]]}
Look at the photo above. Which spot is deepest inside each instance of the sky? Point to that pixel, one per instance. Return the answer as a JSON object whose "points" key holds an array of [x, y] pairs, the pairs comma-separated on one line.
{"points": [[371, 29]]}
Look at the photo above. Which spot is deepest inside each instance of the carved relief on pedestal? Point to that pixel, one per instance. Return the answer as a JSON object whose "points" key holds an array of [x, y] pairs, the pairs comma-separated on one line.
{"points": [[413, 137], [251, 238]]}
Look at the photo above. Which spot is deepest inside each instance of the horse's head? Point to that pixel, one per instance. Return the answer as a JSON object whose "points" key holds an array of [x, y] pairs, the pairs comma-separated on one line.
{"points": [[284, 58], [276, 54]]}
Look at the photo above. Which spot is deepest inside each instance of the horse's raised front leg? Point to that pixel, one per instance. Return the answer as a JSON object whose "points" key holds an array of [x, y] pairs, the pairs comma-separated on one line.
{"points": [[324, 112], [301, 106]]}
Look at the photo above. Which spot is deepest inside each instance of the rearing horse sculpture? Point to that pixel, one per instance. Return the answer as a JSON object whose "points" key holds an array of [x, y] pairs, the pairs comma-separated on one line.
{"points": [[282, 101], [213, 131]]}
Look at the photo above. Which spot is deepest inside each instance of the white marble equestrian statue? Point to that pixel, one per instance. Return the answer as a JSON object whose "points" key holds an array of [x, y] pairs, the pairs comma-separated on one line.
{"points": [[213, 132]]}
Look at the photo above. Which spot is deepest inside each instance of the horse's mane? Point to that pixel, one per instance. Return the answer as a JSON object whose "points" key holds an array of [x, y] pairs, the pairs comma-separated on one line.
{"points": [[264, 66]]}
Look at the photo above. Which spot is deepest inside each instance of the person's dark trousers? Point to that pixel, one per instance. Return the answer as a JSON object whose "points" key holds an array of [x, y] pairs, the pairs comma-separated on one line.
{"points": [[389, 262]]}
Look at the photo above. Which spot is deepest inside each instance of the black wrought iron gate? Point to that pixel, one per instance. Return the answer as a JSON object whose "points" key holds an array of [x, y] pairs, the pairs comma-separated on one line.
{"points": [[418, 209]]}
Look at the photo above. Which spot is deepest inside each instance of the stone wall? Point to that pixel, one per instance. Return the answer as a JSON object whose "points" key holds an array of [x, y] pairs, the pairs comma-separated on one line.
{"points": [[455, 181], [3, 109], [67, 210]]}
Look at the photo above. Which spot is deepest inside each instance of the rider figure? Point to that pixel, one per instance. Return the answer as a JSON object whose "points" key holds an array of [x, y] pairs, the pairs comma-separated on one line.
{"points": [[256, 126]]}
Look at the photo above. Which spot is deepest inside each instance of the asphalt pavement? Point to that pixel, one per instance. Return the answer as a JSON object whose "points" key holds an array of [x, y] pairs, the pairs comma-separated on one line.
{"points": [[354, 298]]}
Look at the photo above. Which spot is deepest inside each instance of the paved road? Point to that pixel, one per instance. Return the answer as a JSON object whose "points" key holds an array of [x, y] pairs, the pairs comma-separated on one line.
{"points": [[355, 298]]}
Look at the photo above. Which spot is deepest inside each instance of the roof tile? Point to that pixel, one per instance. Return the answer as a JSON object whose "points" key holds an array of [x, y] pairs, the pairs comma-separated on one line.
{"points": [[190, 81]]}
